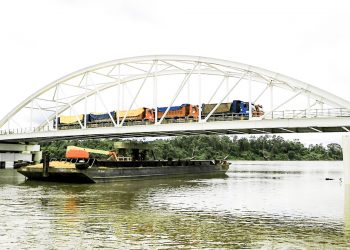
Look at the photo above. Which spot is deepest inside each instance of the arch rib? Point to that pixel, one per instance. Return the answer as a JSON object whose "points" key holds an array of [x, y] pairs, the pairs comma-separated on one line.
{"points": [[214, 65]]}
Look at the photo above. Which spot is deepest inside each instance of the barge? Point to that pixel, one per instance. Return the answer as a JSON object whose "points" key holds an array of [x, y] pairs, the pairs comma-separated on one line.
{"points": [[61, 171], [78, 167]]}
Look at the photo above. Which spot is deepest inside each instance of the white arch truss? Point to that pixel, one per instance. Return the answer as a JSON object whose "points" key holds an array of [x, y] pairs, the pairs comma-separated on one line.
{"points": [[54, 99]]}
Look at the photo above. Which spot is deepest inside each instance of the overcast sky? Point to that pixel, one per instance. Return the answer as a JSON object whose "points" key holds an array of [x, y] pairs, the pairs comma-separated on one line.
{"points": [[42, 40]]}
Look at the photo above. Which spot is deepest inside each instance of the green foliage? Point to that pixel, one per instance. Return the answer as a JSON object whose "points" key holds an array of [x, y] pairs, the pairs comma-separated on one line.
{"points": [[217, 147]]}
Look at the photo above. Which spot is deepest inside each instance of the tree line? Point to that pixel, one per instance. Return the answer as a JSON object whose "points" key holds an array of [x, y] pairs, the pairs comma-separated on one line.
{"points": [[202, 147]]}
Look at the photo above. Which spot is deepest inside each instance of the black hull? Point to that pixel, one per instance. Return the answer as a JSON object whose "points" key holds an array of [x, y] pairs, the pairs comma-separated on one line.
{"points": [[106, 174]]}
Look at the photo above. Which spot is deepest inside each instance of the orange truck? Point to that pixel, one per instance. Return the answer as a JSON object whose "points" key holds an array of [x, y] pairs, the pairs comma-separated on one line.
{"points": [[182, 111]]}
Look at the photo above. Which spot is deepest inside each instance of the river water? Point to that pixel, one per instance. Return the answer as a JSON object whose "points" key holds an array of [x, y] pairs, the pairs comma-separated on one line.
{"points": [[259, 205]]}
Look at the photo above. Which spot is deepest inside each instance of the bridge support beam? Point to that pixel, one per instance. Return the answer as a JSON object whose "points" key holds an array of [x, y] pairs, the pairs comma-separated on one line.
{"points": [[346, 158], [346, 162], [12, 153]]}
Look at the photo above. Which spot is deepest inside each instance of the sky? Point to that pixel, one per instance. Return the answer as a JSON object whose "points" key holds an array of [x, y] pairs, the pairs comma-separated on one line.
{"points": [[41, 41]]}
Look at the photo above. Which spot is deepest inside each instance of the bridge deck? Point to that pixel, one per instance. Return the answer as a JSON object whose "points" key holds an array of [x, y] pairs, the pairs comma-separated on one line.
{"points": [[273, 126]]}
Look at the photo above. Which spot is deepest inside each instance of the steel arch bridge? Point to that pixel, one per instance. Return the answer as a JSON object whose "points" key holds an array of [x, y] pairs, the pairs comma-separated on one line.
{"points": [[291, 106]]}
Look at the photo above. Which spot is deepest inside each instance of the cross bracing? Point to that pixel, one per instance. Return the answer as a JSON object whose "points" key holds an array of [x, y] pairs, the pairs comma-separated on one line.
{"points": [[166, 80]]}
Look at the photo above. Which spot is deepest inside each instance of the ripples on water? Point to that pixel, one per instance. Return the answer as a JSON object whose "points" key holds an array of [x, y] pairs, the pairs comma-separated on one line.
{"points": [[257, 206]]}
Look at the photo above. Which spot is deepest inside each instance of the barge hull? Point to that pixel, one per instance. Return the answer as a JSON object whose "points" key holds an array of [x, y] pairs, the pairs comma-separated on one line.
{"points": [[56, 176], [154, 172], [105, 174]]}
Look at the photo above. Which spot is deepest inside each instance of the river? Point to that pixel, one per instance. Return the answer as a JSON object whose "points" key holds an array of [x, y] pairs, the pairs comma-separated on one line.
{"points": [[259, 205]]}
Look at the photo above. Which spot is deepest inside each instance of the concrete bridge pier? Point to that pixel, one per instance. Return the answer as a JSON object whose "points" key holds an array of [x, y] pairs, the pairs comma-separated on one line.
{"points": [[346, 158], [11, 153], [346, 162]]}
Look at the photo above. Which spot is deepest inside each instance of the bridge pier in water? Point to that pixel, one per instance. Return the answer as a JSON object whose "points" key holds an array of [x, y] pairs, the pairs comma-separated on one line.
{"points": [[11, 153], [346, 158], [346, 162]]}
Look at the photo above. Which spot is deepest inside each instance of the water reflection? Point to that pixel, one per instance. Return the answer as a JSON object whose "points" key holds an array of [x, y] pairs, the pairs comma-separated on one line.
{"points": [[271, 208]]}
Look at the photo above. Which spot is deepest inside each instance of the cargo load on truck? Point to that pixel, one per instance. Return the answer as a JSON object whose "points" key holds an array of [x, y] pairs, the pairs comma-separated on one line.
{"points": [[136, 114], [222, 108], [101, 117], [70, 119]]}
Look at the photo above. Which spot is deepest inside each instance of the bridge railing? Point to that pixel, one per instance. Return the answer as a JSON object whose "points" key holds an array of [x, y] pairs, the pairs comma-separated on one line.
{"points": [[285, 114], [311, 113], [25, 130]]}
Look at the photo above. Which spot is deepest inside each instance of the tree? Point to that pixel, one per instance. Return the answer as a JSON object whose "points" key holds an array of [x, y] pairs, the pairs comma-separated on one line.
{"points": [[216, 147]]}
